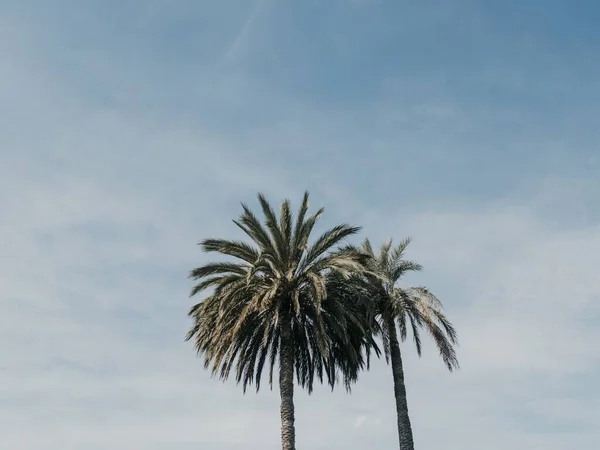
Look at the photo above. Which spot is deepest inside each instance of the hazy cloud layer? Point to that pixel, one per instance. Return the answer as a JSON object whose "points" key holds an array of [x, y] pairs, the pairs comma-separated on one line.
{"points": [[131, 130]]}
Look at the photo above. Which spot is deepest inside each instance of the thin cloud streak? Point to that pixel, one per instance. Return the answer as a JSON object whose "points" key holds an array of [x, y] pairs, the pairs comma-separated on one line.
{"points": [[243, 34]]}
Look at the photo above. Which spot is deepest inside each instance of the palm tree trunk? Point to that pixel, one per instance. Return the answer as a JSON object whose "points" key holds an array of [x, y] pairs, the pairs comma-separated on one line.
{"points": [[286, 386], [404, 429]]}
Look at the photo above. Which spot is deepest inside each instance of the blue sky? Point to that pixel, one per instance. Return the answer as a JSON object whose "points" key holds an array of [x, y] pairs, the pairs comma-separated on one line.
{"points": [[129, 130]]}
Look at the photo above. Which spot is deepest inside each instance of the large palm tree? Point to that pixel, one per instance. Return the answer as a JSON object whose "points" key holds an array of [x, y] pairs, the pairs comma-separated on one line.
{"points": [[396, 309], [272, 302]]}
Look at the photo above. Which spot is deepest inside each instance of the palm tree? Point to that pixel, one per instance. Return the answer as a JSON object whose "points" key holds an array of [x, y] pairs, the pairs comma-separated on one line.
{"points": [[396, 309], [273, 302]]}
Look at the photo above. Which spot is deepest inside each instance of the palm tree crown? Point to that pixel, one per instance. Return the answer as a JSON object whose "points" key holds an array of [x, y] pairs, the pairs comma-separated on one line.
{"points": [[416, 307]]}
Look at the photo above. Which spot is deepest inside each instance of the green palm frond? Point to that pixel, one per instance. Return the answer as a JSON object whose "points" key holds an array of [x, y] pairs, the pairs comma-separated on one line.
{"points": [[399, 269], [367, 248], [285, 223], [218, 283], [300, 223], [277, 236], [398, 252], [237, 249], [326, 241], [415, 327], [221, 268], [250, 225], [301, 241]]}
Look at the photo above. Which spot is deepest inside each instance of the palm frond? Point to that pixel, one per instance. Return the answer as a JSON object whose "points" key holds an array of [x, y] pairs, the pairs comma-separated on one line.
{"points": [[220, 268], [398, 252], [426, 297], [217, 282], [301, 215], [384, 253], [277, 235], [237, 249], [249, 224], [416, 334], [368, 248], [327, 241], [301, 241], [402, 267], [285, 224]]}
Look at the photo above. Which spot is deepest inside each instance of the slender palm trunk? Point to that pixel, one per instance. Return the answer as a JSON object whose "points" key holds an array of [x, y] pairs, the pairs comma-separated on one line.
{"points": [[286, 387], [404, 429]]}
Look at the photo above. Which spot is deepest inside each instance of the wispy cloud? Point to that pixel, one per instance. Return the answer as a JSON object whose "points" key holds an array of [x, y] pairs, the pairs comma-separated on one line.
{"points": [[360, 420], [243, 34]]}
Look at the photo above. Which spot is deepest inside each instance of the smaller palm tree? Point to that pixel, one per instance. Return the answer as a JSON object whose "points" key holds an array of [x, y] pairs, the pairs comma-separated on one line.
{"points": [[397, 309]]}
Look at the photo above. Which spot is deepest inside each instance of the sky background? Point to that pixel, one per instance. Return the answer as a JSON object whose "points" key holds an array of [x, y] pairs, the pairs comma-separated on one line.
{"points": [[130, 130]]}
